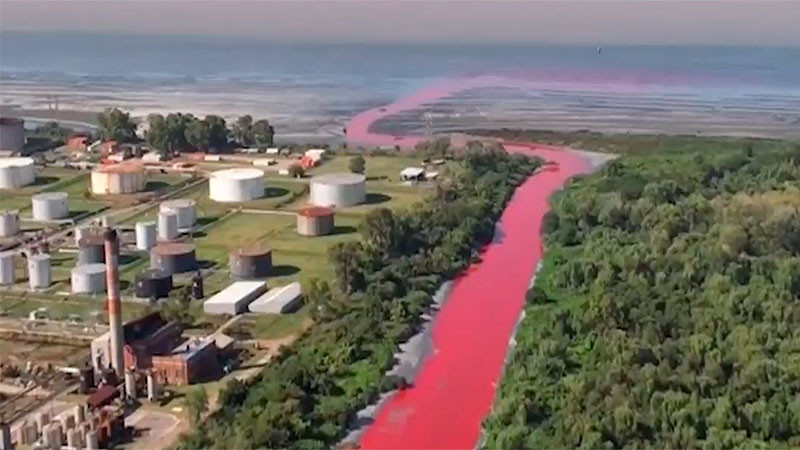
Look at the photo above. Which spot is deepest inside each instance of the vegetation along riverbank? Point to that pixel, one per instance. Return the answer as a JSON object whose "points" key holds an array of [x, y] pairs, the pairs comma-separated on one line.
{"points": [[309, 395], [667, 309]]}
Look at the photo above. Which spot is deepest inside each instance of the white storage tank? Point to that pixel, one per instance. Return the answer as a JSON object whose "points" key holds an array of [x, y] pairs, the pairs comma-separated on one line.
{"points": [[236, 185], [82, 231], [12, 134], [185, 208], [88, 278], [49, 206], [16, 172], [39, 271], [167, 225], [145, 235], [9, 223], [7, 275], [338, 189], [123, 178]]}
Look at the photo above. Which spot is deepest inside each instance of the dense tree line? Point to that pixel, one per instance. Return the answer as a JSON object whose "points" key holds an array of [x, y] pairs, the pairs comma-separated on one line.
{"points": [[308, 396], [667, 312], [178, 131]]}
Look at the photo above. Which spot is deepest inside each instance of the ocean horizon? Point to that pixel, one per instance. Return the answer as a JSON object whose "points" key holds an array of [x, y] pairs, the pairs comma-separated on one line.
{"points": [[310, 90]]}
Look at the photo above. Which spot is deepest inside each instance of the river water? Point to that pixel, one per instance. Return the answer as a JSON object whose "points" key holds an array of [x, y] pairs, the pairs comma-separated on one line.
{"points": [[456, 385]]}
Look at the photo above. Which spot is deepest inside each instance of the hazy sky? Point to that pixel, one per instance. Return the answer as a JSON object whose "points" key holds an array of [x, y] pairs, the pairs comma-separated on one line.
{"points": [[564, 21]]}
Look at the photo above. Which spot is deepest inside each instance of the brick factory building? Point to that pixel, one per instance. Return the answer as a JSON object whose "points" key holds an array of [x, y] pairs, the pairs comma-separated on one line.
{"points": [[193, 361]]}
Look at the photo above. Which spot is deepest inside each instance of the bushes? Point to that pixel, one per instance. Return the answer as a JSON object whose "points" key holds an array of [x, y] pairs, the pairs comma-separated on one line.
{"points": [[309, 394]]}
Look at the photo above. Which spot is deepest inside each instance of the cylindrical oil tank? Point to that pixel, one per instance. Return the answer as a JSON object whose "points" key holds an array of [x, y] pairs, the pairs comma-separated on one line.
{"points": [[88, 278], [91, 249], [173, 257], [185, 208], [91, 440], [123, 178], [9, 223], [130, 384], [82, 231], [167, 225], [236, 185], [7, 272], [86, 383], [153, 283], [16, 172], [315, 221], [39, 271], [145, 235], [152, 387], [248, 263], [12, 133], [49, 206], [338, 189]]}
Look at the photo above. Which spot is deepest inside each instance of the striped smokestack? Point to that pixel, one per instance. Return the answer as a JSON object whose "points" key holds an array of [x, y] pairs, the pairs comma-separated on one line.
{"points": [[114, 305]]}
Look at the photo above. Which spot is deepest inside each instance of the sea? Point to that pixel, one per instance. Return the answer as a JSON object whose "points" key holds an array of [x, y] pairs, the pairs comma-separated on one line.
{"points": [[309, 91]]}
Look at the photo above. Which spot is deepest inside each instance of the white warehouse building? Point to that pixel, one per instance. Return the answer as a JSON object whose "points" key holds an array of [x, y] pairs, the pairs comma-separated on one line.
{"points": [[236, 185], [16, 172], [338, 189], [234, 298]]}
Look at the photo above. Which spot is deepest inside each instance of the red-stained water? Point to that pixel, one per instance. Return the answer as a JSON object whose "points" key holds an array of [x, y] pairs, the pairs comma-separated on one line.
{"points": [[456, 385]]}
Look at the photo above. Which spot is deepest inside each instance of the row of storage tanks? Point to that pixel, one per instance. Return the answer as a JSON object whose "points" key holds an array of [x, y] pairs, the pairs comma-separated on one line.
{"points": [[77, 429], [168, 257], [123, 178], [245, 184]]}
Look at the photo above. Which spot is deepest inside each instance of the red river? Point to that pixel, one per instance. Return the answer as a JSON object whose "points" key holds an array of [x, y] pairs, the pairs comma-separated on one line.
{"points": [[456, 384]]}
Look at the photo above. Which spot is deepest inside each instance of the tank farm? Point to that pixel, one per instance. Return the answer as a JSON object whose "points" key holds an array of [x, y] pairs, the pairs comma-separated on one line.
{"points": [[455, 386]]}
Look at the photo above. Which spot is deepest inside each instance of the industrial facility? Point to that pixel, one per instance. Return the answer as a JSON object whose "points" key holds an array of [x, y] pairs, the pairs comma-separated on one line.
{"points": [[123, 178], [185, 209], [315, 221], [236, 185], [16, 172], [235, 298], [338, 189], [249, 263], [12, 134], [173, 257], [146, 254], [49, 206]]}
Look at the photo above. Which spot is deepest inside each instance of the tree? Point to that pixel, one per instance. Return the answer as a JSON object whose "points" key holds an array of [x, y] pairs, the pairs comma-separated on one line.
{"points": [[243, 131], [380, 230], [346, 258], [357, 164], [196, 402], [217, 132], [296, 171], [263, 133], [176, 124], [156, 135], [116, 125], [197, 134]]}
